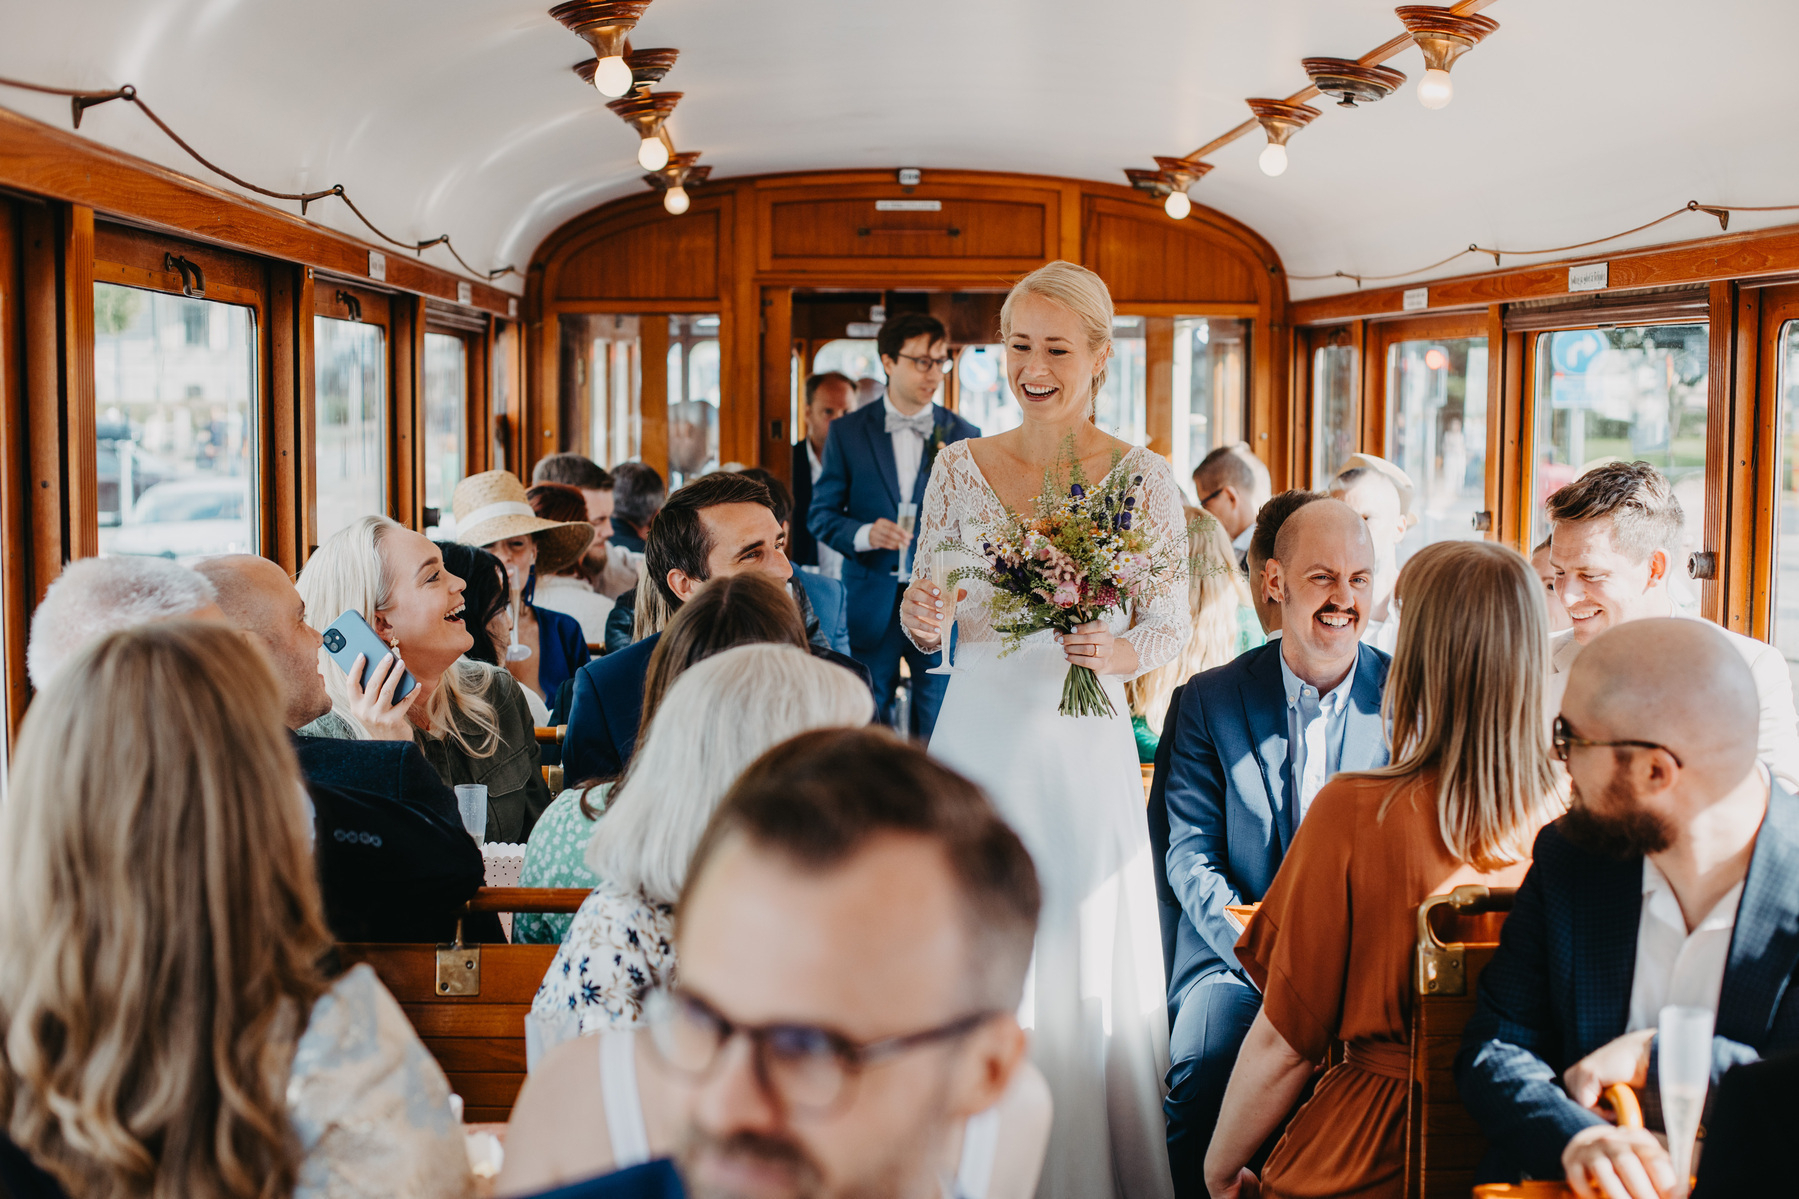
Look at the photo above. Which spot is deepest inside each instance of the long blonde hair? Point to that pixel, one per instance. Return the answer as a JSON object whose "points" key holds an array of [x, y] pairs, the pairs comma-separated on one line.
{"points": [[1464, 698], [1080, 291], [350, 571], [160, 922], [1215, 592], [716, 719]]}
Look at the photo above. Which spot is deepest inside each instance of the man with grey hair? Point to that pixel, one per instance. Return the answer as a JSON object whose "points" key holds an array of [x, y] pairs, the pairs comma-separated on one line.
{"points": [[1614, 541], [1668, 883], [1232, 484], [96, 596]]}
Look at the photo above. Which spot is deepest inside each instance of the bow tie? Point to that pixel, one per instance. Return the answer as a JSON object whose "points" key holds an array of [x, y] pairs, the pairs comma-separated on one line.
{"points": [[920, 423]]}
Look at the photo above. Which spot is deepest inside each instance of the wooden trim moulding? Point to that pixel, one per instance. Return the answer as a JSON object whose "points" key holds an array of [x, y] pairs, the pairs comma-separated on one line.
{"points": [[43, 160]]}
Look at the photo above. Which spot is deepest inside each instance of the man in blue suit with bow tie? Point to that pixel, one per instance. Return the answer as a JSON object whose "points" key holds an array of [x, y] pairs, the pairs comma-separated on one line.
{"points": [[877, 458], [1670, 881], [1253, 741]]}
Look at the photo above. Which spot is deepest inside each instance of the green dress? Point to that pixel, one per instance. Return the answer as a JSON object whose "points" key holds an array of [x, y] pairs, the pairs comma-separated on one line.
{"points": [[556, 856]]}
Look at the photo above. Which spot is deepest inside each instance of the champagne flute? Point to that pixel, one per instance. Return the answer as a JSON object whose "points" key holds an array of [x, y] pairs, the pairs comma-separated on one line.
{"points": [[908, 519], [942, 565], [1685, 1053]]}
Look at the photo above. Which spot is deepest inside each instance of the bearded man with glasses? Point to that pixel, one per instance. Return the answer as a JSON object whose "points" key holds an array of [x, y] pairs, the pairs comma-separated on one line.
{"points": [[1668, 882], [876, 459], [853, 942]]}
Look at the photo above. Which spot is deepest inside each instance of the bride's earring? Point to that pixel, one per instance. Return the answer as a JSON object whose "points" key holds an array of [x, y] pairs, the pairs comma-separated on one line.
{"points": [[393, 641]]}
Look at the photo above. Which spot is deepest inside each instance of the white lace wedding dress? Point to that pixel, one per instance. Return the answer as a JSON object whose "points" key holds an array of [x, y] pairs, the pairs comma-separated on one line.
{"points": [[1072, 789]]}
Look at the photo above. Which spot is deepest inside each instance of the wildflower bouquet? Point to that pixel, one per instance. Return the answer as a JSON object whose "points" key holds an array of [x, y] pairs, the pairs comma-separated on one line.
{"points": [[1074, 557]]}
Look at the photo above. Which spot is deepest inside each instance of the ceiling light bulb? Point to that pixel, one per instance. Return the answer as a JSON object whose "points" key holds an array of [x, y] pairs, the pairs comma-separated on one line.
{"points": [[652, 155], [1273, 160], [612, 77], [1177, 205], [1435, 90], [675, 201]]}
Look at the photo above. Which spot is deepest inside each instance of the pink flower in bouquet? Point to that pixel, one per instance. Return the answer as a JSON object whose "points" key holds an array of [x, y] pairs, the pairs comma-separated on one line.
{"points": [[1067, 595]]}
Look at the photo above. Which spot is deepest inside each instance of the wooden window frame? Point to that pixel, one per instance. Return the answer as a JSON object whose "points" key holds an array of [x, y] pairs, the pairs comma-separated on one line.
{"points": [[378, 308]]}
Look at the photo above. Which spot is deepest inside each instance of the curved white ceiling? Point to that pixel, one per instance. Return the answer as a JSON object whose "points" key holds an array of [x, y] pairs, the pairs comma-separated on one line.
{"points": [[1573, 121]]}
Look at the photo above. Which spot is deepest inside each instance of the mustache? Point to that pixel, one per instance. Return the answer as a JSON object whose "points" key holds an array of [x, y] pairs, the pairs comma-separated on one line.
{"points": [[1350, 611], [758, 1147]]}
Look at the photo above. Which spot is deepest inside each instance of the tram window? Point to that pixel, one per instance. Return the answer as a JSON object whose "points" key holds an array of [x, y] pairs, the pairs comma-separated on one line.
{"points": [[1636, 393], [601, 395], [1209, 373], [1336, 411], [446, 408], [693, 397], [1437, 434], [1785, 600], [505, 392], [350, 421], [175, 397], [859, 359], [982, 395], [1121, 407]]}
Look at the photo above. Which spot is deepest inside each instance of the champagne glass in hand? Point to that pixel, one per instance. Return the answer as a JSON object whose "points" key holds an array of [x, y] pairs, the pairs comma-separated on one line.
{"points": [[1685, 1036], [907, 519], [942, 564]]}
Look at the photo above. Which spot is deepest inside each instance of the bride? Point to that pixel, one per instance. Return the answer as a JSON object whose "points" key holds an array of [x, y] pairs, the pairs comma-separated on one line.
{"points": [[1070, 786]]}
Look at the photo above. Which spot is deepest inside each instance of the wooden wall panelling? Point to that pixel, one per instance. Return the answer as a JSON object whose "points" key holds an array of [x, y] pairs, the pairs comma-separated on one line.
{"points": [[1142, 255], [1505, 442], [776, 389], [1158, 392], [15, 468], [63, 165], [1748, 509], [406, 482], [1373, 358], [478, 438], [1776, 306], [648, 257], [48, 519], [1299, 407], [653, 399], [76, 321], [1729, 441], [740, 335], [290, 399]]}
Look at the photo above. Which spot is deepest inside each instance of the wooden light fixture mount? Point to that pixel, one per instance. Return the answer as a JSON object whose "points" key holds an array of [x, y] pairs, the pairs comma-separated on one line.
{"points": [[1350, 81], [604, 24], [1281, 119], [682, 171], [647, 68], [1441, 34], [1182, 173], [646, 112], [1154, 182]]}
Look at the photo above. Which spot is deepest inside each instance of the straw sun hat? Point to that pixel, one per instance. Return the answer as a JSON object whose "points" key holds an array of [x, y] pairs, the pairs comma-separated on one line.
{"points": [[491, 507]]}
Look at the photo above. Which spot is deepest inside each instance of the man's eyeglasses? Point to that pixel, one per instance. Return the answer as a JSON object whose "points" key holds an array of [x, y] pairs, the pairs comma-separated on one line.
{"points": [[1562, 738], [946, 365], [804, 1067]]}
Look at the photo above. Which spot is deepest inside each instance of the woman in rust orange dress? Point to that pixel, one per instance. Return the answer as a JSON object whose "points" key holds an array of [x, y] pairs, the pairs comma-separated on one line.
{"points": [[1470, 784]]}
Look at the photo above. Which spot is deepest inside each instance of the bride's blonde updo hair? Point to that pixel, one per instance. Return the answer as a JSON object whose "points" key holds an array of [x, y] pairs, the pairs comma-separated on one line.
{"points": [[1080, 291]]}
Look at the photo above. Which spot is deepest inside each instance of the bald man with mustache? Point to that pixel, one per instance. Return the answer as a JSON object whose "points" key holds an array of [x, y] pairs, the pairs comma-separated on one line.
{"points": [[1669, 881]]}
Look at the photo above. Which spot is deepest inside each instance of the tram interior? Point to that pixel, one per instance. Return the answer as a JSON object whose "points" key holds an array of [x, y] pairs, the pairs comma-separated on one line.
{"points": [[267, 271]]}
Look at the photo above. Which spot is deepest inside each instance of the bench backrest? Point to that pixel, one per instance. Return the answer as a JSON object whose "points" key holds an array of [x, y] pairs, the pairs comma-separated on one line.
{"points": [[476, 1031]]}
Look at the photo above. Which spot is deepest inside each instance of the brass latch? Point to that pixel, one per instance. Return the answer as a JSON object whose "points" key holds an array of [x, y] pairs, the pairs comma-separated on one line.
{"points": [[458, 966], [1443, 968]]}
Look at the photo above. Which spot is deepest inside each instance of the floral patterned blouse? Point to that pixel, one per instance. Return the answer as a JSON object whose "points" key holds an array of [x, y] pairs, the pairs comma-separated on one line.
{"points": [[556, 856], [619, 949]]}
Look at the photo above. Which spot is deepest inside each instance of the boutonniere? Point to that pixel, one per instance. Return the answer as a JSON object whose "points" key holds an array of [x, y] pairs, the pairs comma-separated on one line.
{"points": [[932, 445]]}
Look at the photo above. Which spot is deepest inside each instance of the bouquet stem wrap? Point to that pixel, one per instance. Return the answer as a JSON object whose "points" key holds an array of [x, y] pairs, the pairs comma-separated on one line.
{"points": [[1082, 692]]}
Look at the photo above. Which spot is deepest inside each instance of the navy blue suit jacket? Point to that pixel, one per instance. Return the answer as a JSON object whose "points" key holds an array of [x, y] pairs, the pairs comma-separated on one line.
{"points": [[859, 485], [802, 547], [1559, 986], [393, 859], [830, 603], [1226, 794]]}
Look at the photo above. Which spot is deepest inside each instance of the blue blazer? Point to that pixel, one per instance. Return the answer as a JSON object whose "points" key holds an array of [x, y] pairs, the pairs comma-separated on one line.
{"points": [[1226, 795], [561, 649], [830, 603], [1559, 987], [859, 485], [602, 718]]}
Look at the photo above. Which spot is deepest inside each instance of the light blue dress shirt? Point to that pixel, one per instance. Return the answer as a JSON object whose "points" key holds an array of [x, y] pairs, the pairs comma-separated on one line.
{"points": [[1315, 727]]}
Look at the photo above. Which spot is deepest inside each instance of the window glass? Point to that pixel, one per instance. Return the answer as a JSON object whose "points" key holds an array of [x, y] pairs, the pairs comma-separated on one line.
{"points": [[350, 421], [1209, 365], [1336, 416], [982, 395], [1437, 434], [175, 394], [1785, 600], [1636, 393], [693, 397], [859, 359], [602, 385], [446, 407], [1121, 408]]}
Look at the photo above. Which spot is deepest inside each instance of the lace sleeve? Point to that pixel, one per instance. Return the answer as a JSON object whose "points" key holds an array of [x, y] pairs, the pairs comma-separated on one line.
{"points": [[1159, 630], [937, 522]]}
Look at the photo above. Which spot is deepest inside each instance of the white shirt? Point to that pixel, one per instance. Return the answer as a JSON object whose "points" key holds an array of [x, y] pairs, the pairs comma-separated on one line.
{"points": [[908, 452], [830, 562], [1675, 966], [573, 597], [1777, 736], [1315, 727]]}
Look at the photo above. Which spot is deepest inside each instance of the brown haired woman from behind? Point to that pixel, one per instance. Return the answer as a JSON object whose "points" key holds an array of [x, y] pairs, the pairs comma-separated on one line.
{"points": [[165, 1027]]}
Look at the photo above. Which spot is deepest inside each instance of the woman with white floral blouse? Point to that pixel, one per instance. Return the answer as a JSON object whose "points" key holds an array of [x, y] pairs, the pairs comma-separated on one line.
{"points": [[717, 718]]}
